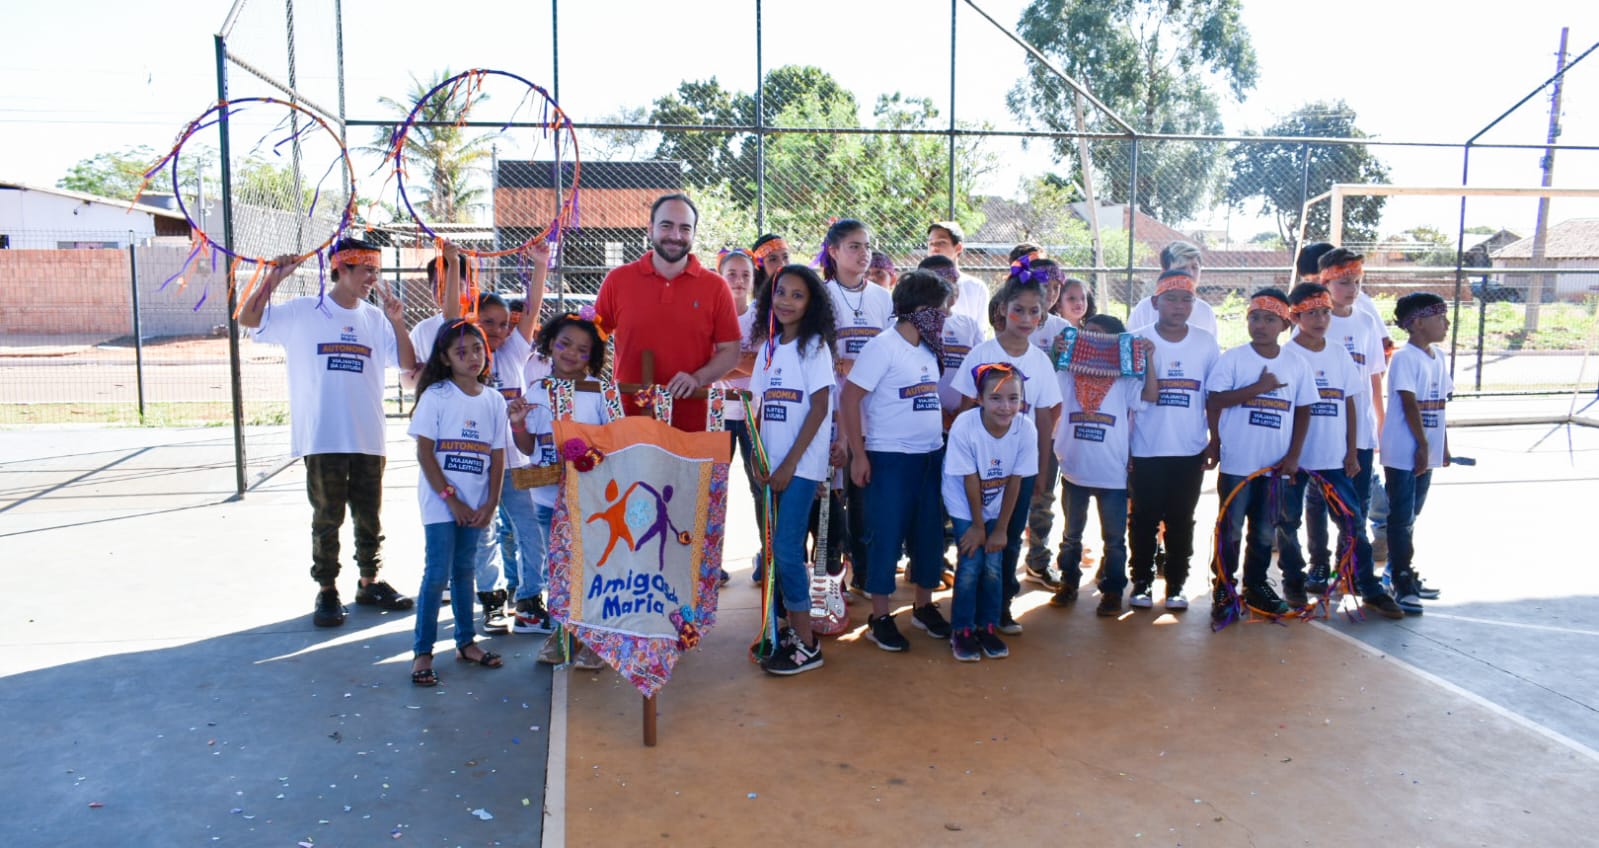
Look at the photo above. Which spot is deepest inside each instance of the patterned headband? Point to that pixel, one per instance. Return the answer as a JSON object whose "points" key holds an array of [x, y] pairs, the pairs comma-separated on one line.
{"points": [[1319, 300], [359, 256], [883, 264], [767, 248], [1342, 272], [1424, 312], [984, 370], [1174, 282], [1270, 304]]}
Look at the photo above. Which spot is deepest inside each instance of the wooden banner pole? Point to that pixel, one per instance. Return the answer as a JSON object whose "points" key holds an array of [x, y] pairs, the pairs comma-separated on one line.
{"points": [[649, 721]]}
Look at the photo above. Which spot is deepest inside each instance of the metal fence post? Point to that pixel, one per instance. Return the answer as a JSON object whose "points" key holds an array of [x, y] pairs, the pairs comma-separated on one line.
{"points": [[138, 332], [1460, 262], [953, 5], [760, 127], [235, 374], [1132, 221]]}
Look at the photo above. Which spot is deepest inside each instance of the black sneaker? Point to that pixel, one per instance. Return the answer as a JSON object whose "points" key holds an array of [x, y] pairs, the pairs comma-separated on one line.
{"points": [[794, 658], [1295, 596], [1065, 596], [380, 594], [531, 616], [1110, 605], [965, 647], [329, 612], [993, 647], [1262, 598], [1008, 624], [1409, 602], [1425, 592], [494, 620], [1041, 576], [885, 635], [1315, 588], [928, 618], [1384, 605]]}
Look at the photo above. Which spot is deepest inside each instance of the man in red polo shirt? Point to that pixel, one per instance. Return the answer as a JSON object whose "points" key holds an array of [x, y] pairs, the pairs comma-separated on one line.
{"points": [[666, 303]]}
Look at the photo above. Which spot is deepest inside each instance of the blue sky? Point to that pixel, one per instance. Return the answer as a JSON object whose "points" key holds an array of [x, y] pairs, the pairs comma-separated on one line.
{"points": [[1429, 71]]}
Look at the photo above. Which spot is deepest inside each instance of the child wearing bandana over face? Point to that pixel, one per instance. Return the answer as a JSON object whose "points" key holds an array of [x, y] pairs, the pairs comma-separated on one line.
{"points": [[891, 416]]}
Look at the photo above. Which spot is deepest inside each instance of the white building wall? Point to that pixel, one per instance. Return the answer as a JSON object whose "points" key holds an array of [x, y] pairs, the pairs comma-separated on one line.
{"points": [[40, 221]]}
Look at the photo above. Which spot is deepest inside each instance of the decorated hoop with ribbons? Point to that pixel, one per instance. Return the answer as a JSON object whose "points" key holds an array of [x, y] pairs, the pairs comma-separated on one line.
{"points": [[552, 120], [317, 213]]}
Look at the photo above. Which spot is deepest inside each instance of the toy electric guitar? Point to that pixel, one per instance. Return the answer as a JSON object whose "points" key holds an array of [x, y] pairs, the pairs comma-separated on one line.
{"points": [[828, 617]]}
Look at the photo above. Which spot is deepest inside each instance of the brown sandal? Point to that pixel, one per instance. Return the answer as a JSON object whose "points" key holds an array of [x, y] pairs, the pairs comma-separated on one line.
{"points": [[487, 659]]}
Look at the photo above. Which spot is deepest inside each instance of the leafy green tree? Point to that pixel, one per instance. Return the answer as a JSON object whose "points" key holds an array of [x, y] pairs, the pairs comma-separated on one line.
{"points": [[442, 162], [120, 174], [1157, 64], [1272, 173]]}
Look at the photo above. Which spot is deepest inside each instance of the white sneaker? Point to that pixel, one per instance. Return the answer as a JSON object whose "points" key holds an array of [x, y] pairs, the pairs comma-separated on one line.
{"points": [[1141, 600], [1176, 602]]}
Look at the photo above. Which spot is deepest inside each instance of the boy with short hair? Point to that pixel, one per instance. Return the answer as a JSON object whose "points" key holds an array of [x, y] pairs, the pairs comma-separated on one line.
{"points": [[1258, 409], [333, 345], [1185, 257], [946, 238], [1414, 439], [1171, 446], [1330, 451]]}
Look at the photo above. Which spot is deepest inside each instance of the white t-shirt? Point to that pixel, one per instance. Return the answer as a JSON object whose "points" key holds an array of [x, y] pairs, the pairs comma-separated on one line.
{"points": [[900, 413], [1359, 334], [507, 378], [734, 411], [536, 369], [973, 450], [973, 303], [1176, 424], [859, 316], [1364, 303], [1412, 370], [960, 336], [785, 389], [1337, 378], [1044, 337], [1040, 390], [587, 408], [1092, 446], [1257, 433], [465, 431], [1202, 317], [423, 334], [336, 358]]}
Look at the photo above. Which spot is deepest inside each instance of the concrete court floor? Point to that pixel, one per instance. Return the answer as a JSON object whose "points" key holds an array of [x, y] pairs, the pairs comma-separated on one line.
{"points": [[171, 704]]}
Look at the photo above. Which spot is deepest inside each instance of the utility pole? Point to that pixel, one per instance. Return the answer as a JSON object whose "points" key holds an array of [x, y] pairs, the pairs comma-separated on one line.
{"points": [[1540, 234]]}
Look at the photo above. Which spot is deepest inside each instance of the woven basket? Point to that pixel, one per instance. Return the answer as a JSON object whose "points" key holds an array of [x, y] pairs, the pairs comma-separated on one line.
{"points": [[535, 476]]}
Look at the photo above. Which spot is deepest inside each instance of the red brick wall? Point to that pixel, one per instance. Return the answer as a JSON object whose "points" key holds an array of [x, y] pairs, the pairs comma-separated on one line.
{"points": [[64, 292]]}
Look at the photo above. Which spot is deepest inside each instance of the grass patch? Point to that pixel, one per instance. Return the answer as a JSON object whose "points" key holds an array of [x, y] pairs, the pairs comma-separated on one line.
{"points": [[200, 414], [1570, 327]]}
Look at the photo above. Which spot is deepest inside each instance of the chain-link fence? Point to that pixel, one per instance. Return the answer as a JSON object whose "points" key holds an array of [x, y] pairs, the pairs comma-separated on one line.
{"points": [[770, 142]]}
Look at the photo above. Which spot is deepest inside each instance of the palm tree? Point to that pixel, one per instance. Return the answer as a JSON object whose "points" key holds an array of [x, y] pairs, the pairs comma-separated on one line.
{"points": [[446, 157]]}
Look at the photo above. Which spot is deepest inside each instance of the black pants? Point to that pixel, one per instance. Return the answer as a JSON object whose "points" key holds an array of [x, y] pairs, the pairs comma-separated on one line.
{"points": [[1163, 489], [332, 482]]}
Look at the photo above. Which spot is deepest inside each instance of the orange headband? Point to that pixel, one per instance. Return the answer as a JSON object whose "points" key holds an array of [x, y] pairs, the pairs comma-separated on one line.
{"points": [[982, 371], [359, 256], [761, 252], [1174, 282], [1270, 304], [1319, 300], [1342, 271]]}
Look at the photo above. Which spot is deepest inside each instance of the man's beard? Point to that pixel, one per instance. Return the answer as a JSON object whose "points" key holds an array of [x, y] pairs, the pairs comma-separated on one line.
{"points": [[670, 252]]}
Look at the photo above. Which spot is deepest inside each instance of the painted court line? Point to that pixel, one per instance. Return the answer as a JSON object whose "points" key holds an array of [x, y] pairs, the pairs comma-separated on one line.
{"points": [[1548, 628], [1498, 709], [554, 834]]}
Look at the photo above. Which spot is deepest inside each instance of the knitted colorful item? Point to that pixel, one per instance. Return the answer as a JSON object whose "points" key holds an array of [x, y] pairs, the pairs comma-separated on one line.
{"points": [[1097, 360]]}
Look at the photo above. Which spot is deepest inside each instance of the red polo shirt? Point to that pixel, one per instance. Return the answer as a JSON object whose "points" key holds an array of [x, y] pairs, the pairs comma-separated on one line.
{"points": [[681, 320]]}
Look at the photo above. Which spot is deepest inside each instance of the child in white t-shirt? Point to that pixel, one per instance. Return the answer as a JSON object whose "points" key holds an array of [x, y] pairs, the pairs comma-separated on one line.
{"points": [[890, 414], [960, 335], [1331, 450], [793, 380], [1258, 408], [1414, 436], [991, 450], [1070, 304], [1091, 445], [737, 267], [1023, 307], [336, 347], [1171, 448], [575, 350], [460, 429]]}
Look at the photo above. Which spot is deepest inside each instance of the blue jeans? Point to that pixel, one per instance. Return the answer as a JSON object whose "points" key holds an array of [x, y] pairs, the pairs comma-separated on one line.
{"points": [[906, 514], [1112, 527], [978, 595], [534, 575], [1407, 494], [1255, 503], [1013, 537], [1316, 514], [793, 508], [1289, 557], [450, 552], [486, 563]]}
